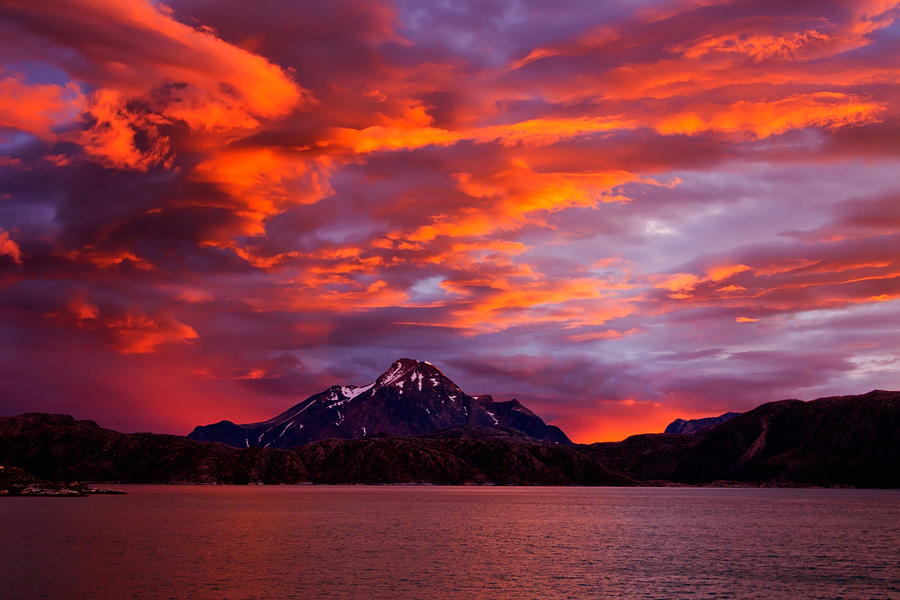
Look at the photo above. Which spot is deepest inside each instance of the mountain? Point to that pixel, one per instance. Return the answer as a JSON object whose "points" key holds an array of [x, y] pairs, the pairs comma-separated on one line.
{"points": [[838, 441], [459, 456], [57, 447], [60, 448], [646, 456], [841, 440], [698, 425], [411, 398]]}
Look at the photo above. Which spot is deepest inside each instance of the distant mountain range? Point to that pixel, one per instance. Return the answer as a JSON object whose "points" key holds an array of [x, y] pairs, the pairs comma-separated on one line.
{"points": [[842, 440], [698, 425], [411, 398], [839, 441]]}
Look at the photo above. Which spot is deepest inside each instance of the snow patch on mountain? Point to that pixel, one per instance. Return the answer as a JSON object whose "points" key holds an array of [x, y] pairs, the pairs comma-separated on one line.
{"points": [[398, 371], [351, 391], [285, 430]]}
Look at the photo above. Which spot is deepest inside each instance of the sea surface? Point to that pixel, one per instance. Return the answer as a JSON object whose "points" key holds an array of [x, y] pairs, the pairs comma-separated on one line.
{"points": [[435, 543]]}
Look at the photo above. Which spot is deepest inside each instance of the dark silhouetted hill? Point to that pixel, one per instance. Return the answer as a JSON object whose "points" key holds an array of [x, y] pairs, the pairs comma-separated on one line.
{"points": [[58, 447], [698, 425], [843, 440]]}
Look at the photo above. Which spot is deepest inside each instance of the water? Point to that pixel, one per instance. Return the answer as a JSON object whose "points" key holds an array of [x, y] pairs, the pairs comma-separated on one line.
{"points": [[217, 542]]}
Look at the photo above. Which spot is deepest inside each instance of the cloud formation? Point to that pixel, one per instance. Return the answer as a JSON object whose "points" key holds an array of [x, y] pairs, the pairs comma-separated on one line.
{"points": [[619, 215]]}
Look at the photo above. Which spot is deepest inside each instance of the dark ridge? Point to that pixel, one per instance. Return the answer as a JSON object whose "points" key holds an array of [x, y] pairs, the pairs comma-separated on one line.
{"points": [[837, 441], [67, 450], [478, 433], [225, 432], [58, 448], [698, 425], [842, 440], [646, 457]]}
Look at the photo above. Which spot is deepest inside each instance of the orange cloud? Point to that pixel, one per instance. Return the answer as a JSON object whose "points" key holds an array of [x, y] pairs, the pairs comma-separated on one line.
{"points": [[140, 335], [112, 140], [756, 46], [871, 15], [724, 272], [608, 334], [763, 119], [224, 78], [516, 193], [38, 108], [115, 259], [264, 181], [83, 310], [782, 265], [781, 50], [127, 333], [334, 294], [462, 255], [9, 248], [415, 131], [882, 297], [498, 304], [680, 283], [846, 272], [173, 73]]}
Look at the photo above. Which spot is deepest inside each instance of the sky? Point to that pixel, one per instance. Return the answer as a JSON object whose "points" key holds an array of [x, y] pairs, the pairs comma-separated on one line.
{"points": [[619, 213]]}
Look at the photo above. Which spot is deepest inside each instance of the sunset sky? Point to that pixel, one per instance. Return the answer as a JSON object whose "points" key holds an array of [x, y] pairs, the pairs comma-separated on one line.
{"points": [[619, 213]]}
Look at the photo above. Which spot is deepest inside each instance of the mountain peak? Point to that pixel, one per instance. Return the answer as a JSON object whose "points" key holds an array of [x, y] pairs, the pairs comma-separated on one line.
{"points": [[400, 369], [412, 397], [409, 373]]}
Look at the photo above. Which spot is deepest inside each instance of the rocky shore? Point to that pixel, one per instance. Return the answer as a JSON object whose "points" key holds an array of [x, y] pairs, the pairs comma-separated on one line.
{"points": [[16, 482]]}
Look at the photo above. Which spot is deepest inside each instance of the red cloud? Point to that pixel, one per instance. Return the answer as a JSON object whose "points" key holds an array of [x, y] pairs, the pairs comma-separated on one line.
{"points": [[9, 248]]}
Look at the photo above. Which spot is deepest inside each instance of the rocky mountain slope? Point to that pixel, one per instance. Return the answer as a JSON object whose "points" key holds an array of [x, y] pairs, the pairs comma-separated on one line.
{"points": [[843, 440], [847, 440], [411, 398]]}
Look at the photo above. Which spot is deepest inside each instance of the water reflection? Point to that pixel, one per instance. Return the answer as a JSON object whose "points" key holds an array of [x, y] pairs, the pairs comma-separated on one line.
{"points": [[436, 543]]}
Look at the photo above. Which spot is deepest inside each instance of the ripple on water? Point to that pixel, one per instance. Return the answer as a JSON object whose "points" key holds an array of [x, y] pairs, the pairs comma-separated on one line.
{"points": [[217, 542]]}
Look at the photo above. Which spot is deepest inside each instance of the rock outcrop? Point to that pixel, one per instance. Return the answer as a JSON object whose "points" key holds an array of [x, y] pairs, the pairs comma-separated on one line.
{"points": [[698, 425]]}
